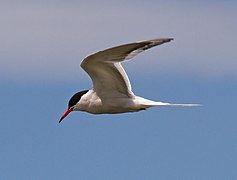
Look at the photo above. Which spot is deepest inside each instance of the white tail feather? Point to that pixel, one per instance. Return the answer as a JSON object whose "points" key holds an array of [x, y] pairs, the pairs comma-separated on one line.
{"points": [[146, 103], [172, 104]]}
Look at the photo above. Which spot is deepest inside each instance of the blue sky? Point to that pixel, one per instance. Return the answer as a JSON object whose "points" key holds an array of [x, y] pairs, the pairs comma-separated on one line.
{"points": [[41, 46]]}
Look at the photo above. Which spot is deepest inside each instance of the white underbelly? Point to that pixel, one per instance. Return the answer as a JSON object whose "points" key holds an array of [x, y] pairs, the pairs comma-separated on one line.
{"points": [[112, 106], [95, 105]]}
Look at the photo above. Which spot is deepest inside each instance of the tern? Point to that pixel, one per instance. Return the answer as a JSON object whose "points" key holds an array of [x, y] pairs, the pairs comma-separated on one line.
{"points": [[112, 91]]}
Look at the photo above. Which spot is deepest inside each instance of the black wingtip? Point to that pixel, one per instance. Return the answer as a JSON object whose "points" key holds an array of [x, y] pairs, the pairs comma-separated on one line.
{"points": [[167, 39]]}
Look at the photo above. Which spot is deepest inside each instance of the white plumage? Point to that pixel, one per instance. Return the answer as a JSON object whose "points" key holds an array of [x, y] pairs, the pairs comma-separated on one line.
{"points": [[112, 91]]}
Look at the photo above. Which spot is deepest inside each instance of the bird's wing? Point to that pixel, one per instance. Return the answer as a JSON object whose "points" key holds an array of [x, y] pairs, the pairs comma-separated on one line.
{"points": [[105, 69]]}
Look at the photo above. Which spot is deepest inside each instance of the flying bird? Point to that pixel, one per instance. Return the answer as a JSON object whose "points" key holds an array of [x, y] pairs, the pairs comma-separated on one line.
{"points": [[112, 91]]}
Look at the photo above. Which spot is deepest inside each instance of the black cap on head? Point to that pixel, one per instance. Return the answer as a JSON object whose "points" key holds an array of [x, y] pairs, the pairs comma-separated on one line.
{"points": [[75, 98], [73, 101]]}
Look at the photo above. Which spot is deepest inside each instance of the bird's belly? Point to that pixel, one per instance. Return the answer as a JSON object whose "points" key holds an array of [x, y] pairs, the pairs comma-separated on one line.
{"points": [[112, 106]]}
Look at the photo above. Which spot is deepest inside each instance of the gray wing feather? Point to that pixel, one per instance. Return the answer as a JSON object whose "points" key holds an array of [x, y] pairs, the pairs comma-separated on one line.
{"points": [[105, 69]]}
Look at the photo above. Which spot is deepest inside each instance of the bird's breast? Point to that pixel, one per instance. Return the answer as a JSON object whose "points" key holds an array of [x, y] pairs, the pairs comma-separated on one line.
{"points": [[92, 103]]}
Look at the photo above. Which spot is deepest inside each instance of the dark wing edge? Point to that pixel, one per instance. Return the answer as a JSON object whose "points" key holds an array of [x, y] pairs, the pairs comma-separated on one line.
{"points": [[128, 51], [114, 56], [149, 44]]}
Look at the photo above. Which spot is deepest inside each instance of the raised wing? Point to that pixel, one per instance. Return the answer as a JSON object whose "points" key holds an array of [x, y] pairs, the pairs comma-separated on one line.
{"points": [[104, 67]]}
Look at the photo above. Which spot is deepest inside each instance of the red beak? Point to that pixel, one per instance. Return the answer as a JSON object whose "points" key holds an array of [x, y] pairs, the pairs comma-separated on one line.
{"points": [[65, 114]]}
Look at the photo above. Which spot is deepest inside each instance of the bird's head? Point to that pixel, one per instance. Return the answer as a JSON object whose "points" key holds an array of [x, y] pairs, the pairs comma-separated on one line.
{"points": [[72, 103]]}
